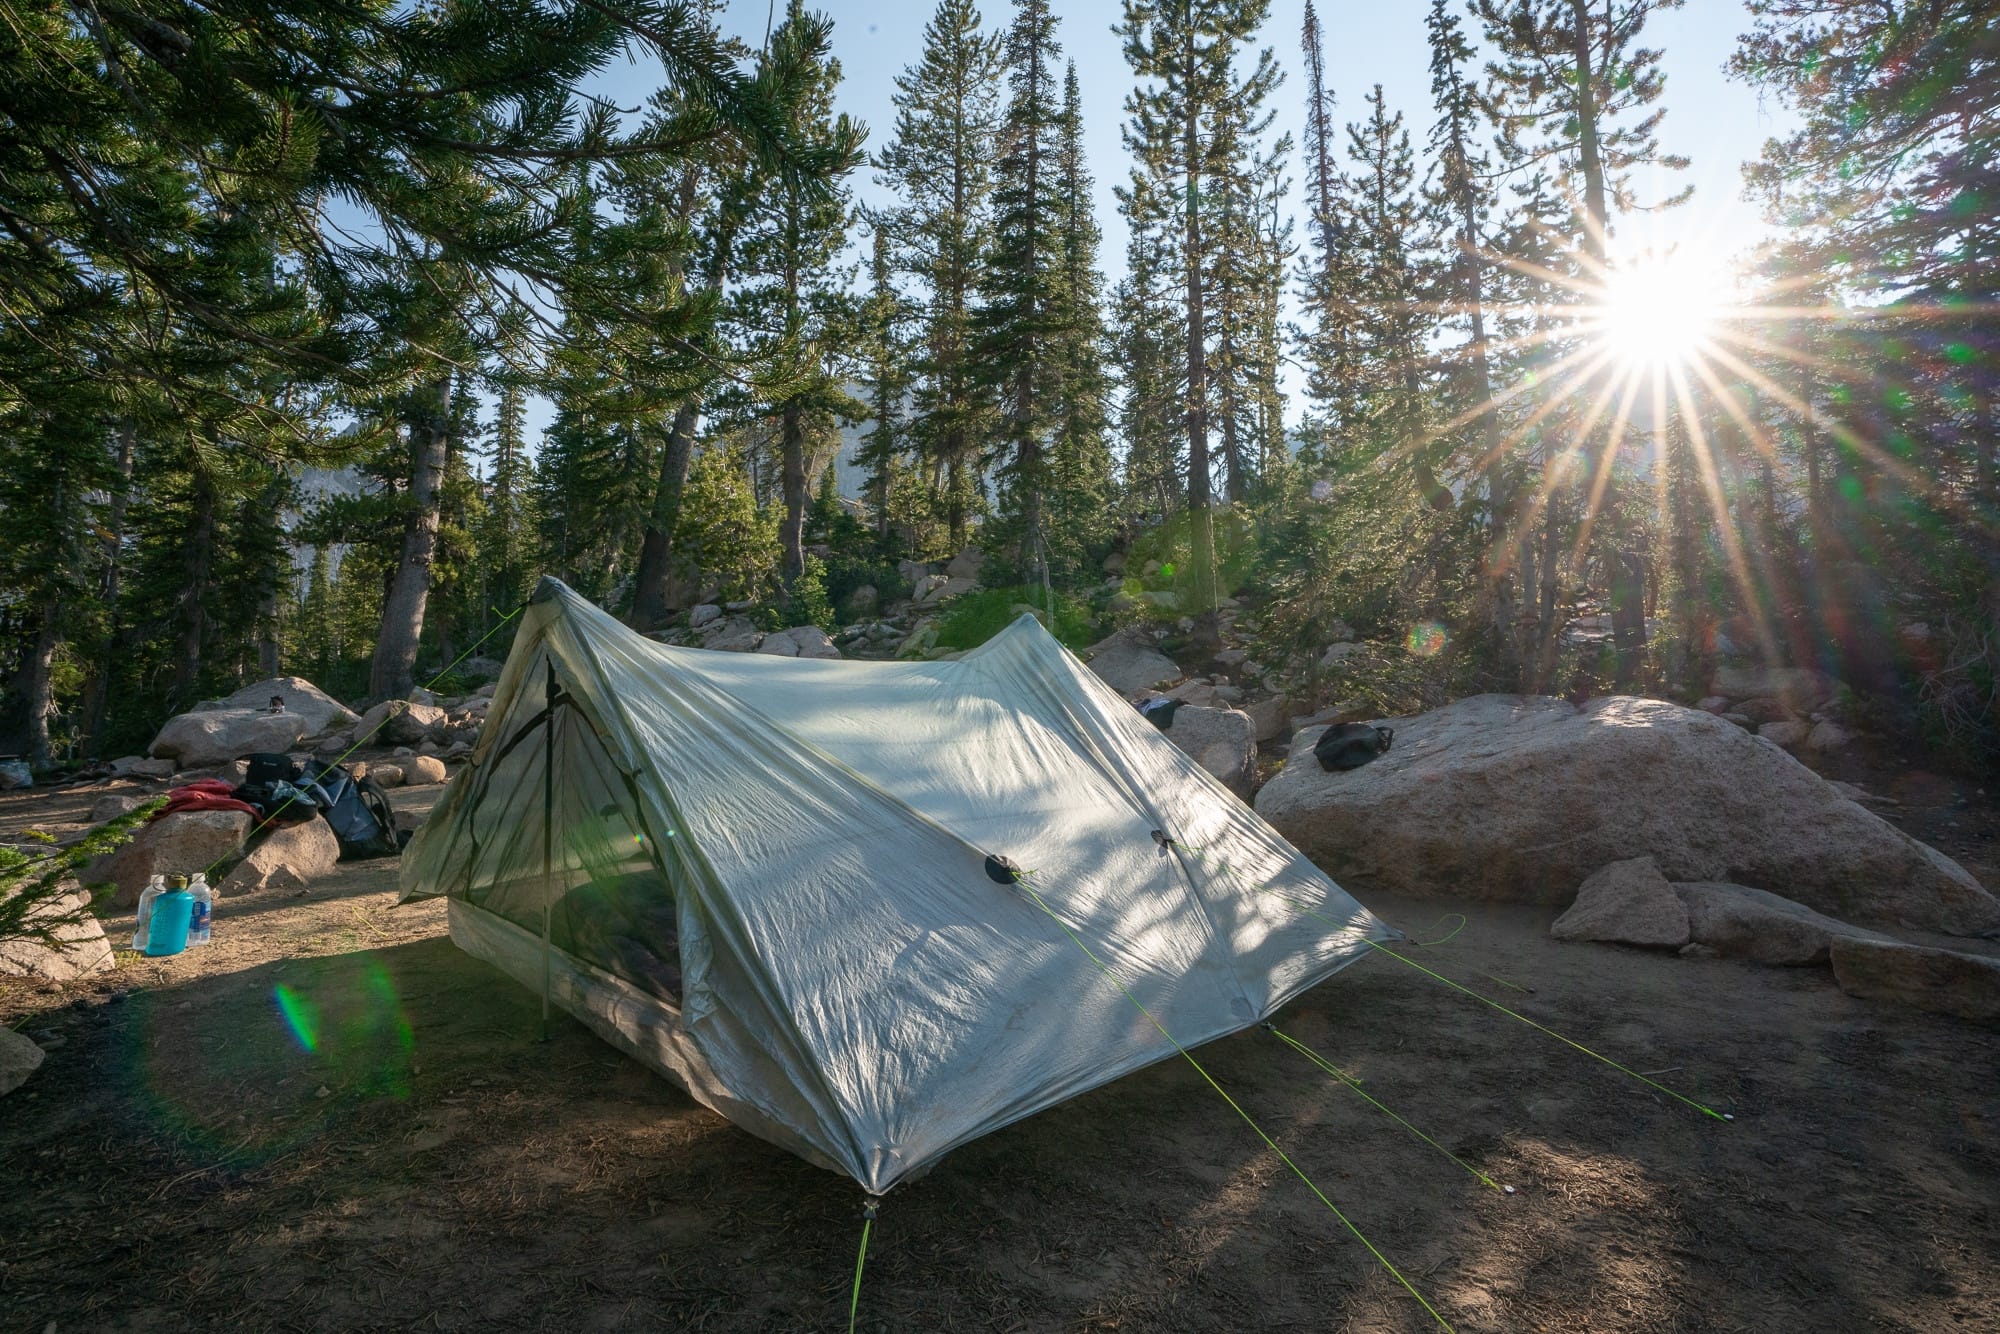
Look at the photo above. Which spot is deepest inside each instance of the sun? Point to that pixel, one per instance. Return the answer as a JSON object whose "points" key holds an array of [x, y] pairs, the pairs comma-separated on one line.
{"points": [[1658, 311]]}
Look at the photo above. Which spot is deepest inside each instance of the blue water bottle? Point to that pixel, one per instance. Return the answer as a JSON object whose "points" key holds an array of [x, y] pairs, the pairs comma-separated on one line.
{"points": [[173, 913]]}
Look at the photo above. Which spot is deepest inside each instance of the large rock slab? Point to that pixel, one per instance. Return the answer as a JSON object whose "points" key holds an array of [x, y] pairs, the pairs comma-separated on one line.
{"points": [[1504, 797], [1129, 661], [81, 947], [287, 857], [176, 844], [1941, 981], [1626, 903], [401, 722], [1744, 923], [217, 736], [19, 1057], [320, 710], [1222, 741]]}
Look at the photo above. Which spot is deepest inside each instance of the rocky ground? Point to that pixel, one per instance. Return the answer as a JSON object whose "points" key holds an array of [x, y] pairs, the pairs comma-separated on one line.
{"points": [[332, 1118]]}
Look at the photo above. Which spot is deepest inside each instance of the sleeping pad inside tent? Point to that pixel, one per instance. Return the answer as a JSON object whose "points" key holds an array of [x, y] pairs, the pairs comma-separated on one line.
{"points": [[781, 881]]}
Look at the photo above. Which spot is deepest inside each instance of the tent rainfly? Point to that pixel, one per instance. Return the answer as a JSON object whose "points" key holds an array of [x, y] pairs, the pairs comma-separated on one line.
{"points": [[783, 882]]}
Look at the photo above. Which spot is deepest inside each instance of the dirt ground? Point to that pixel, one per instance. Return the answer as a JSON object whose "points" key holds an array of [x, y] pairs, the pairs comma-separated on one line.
{"points": [[332, 1119]]}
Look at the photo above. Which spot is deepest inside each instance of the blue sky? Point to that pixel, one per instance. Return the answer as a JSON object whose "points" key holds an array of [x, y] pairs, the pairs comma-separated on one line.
{"points": [[1711, 120]]}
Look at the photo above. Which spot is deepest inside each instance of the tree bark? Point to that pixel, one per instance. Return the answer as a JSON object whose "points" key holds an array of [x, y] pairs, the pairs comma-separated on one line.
{"points": [[198, 557], [98, 693], [1201, 529], [792, 532], [656, 553], [392, 673], [40, 685]]}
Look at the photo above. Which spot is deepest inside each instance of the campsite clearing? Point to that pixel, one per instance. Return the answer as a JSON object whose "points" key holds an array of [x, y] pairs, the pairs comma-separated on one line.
{"points": [[333, 1118]]}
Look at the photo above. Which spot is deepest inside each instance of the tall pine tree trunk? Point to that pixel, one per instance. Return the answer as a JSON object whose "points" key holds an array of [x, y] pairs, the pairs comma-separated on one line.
{"points": [[39, 684], [98, 692], [656, 552], [1631, 591], [1201, 528], [392, 673], [198, 562], [792, 480]]}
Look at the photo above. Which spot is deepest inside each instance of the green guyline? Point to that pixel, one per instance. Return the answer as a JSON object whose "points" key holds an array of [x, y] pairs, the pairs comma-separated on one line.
{"points": [[1355, 1084], [1409, 1287], [1703, 1108]]}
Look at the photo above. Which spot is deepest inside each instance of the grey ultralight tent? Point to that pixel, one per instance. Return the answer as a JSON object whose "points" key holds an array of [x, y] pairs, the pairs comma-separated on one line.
{"points": [[770, 878]]}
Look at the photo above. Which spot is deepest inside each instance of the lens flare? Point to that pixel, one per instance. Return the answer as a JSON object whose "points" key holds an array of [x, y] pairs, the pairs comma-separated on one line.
{"points": [[300, 1016], [1426, 640], [1660, 311]]}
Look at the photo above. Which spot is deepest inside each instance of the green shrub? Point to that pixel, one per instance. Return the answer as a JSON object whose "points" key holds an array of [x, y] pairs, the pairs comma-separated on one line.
{"points": [[977, 617]]}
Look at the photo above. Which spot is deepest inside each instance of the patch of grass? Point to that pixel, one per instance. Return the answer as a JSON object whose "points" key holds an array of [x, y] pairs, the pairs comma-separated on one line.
{"points": [[977, 617]]}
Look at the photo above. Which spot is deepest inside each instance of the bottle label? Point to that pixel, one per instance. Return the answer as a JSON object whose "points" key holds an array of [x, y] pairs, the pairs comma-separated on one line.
{"points": [[198, 924]]}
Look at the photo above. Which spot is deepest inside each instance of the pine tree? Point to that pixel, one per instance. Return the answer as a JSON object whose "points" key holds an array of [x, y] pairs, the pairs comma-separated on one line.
{"points": [[939, 163], [1327, 279], [1573, 88], [1459, 202], [1080, 457], [793, 306], [1023, 282], [885, 356], [1185, 54]]}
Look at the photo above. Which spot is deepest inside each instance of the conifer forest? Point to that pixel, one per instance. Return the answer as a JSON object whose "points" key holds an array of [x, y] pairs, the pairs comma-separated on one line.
{"points": [[326, 330]]}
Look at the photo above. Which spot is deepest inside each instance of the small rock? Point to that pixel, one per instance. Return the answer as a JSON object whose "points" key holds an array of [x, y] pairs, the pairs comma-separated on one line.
{"points": [[1128, 662], [1164, 598], [402, 752], [1791, 735], [19, 1058], [1626, 903], [1337, 654], [139, 766], [335, 744], [703, 614], [398, 721], [1828, 736], [423, 769], [1742, 720], [1222, 741], [286, 857], [1271, 717], [386, 775], [1767, 710], [1115, 563], [110, 806], [1716, 704], [801, 641], [1940, 981], [966, 564]]}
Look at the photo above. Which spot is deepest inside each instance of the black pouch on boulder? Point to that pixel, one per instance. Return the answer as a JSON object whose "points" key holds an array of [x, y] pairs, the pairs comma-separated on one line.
{"points": [[1351, 745]]}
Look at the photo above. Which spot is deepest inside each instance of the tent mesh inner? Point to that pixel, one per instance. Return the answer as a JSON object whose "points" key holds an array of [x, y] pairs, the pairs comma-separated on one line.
{"points": [[610, 903]]}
